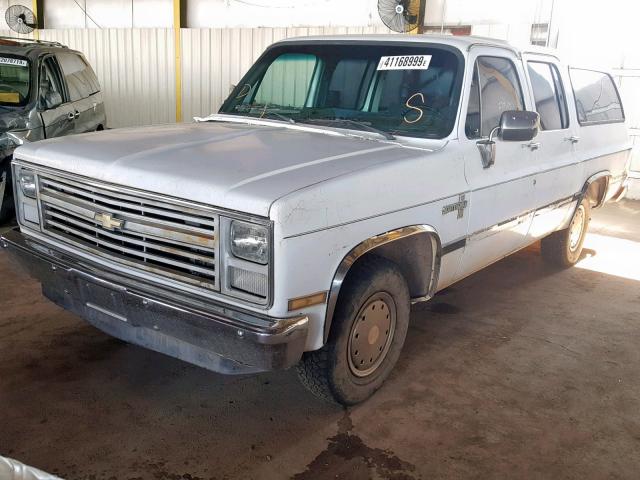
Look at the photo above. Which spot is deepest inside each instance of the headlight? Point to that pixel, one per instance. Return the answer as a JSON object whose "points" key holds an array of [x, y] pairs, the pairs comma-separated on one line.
{"points": [[250, 242], [27, 182], [25, 189]]}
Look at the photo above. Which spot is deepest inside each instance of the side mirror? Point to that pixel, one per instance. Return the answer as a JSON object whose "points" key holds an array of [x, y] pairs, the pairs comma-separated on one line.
{"points": [[515, 126], [518, 126]]}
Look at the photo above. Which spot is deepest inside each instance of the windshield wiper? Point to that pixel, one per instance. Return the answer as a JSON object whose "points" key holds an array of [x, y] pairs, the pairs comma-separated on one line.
{"points": [[264, 110], [278, 115], [362, 125]]}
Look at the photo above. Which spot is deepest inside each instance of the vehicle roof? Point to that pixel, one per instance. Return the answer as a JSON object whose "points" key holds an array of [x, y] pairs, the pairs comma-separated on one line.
{"points": [[29, 48], [463, 43]]}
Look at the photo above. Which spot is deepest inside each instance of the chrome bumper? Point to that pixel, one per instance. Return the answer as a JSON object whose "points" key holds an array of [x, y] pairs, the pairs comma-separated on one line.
{"points": [[213, 336], [622, 191]]}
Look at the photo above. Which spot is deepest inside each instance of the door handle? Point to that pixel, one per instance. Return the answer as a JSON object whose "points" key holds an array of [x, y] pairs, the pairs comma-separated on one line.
{"points": [[71, 116], [77, 114], [532, 145], [572, 139]]}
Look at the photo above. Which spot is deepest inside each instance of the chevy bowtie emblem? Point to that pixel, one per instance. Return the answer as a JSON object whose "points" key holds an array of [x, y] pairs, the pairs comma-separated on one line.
{"points": [[107, 221]]}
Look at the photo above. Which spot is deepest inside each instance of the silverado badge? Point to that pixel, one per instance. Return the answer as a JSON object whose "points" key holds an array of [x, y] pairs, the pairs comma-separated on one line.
{"points": [[459, 206]]}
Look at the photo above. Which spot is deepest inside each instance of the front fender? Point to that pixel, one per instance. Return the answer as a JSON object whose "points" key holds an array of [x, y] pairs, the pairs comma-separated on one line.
{"points": [[422, 282]]}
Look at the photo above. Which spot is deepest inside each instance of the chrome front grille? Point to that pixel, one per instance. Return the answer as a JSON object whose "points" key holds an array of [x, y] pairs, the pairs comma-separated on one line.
{"points": [[149, 233]]}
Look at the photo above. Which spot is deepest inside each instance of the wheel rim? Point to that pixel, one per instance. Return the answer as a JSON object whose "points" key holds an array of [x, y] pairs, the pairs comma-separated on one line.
{"points": [[576, 229], [371, 334]]}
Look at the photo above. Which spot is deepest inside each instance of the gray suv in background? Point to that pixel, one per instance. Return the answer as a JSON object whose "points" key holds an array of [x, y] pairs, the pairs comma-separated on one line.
{"points": [[46, 90]]}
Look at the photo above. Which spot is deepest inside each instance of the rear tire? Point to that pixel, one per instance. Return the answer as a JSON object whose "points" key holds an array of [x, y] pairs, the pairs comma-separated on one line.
{"points": [[564, 247], [367, 334]]}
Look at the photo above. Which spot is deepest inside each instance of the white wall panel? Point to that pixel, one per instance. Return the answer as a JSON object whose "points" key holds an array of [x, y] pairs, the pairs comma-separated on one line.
{"points": [[106, 13], [64, 14], [5, 32], [279, 13], [136, 68]]}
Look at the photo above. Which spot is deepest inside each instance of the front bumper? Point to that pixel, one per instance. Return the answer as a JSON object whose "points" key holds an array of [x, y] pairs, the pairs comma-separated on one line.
{"points": [[213, 336]]}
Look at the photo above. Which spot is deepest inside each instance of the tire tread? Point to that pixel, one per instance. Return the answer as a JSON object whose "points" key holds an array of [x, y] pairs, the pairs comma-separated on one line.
{"points": [[555, 247], [314, 369]]}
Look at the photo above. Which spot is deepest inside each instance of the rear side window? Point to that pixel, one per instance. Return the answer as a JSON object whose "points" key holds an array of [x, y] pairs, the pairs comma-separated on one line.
{"points": [[494, 89], [597, 99], [50, 89], [549, 95], [80, 79]]}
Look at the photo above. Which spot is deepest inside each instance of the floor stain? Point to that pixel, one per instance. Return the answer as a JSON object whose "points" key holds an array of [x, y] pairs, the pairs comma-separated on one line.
{"points": [[468, 392], [348, 457], [444, 308]]}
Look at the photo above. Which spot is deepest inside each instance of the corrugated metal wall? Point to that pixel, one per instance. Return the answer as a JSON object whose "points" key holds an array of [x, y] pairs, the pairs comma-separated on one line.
{"points": [[136, 67]]}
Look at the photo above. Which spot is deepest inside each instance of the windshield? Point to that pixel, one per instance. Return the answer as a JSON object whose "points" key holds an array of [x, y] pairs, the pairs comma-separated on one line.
{"points": [[14, 80], [392, 89]]}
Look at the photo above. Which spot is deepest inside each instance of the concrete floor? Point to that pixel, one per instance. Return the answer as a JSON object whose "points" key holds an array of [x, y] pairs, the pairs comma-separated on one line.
{"points": [[517, 372]]}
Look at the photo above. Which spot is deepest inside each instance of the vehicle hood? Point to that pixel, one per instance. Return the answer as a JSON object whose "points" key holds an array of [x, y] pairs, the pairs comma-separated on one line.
{"points": [[234, 166]]}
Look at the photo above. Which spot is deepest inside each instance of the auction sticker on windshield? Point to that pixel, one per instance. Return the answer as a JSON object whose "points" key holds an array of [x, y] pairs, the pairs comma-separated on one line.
{"points": [[13, 61], [405, 62]]}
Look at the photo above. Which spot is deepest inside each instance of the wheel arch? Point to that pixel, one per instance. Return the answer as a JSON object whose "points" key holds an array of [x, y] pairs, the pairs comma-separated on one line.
{"points": [[596, 187], [402, 246]]}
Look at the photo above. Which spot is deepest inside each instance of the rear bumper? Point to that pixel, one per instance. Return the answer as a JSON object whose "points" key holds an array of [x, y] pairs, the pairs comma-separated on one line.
{"points": [[213, 336], [621, 192]]}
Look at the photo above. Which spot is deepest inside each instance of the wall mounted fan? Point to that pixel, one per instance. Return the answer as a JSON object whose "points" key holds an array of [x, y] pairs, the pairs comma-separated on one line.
{"points": [[20, 19], [401, 16]]}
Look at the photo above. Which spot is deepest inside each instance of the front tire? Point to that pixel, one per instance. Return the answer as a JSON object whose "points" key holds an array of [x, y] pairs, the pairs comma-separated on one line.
{"points": [[564, 247], [367, 334]]}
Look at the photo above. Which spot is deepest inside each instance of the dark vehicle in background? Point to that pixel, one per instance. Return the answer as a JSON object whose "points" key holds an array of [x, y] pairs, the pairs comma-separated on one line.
{"points": [[46, 90]]}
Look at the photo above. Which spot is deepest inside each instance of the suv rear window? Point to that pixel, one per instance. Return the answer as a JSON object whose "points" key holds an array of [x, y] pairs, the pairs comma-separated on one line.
{"points": [[597, 99], [81, 81]]}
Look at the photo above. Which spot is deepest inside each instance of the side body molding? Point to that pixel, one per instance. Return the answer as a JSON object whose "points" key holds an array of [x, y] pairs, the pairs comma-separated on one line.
{"points": [[384, 240]]}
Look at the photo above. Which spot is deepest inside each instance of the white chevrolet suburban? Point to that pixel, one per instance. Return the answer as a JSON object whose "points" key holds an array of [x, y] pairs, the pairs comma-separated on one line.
{"points": [[342, 180]]}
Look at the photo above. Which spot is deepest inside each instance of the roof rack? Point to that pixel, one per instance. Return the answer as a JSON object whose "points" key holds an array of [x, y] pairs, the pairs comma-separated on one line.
{"points": [[34, 41]]}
